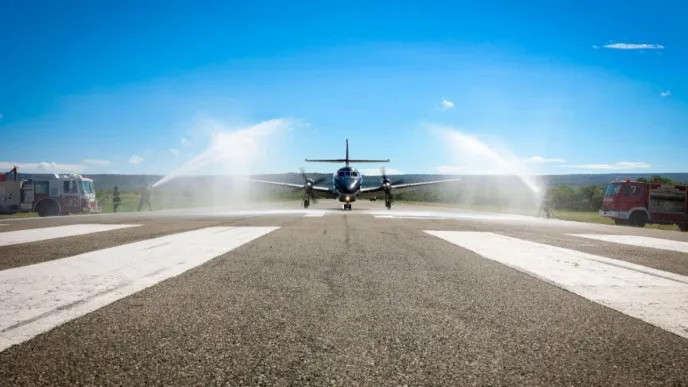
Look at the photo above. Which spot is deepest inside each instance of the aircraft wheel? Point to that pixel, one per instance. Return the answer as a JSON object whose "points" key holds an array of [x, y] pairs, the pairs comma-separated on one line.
{"points": [[306, 203]]}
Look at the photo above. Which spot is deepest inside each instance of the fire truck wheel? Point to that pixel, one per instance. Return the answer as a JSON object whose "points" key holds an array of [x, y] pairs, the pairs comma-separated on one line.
{"points": [[638, 219], [47, 208]]}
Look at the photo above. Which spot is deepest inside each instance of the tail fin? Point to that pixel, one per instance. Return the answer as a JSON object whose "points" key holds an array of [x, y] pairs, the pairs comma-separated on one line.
{"points": [[347, 160], [347, 151]]}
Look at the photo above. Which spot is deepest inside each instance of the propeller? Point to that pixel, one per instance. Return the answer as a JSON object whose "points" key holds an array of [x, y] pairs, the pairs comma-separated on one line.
{"points": [[308, 186], [387, 184]]}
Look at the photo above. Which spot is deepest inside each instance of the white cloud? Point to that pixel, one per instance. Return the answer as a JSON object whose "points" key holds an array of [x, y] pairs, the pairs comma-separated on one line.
{"points": [[174, 151], [447, 104], [185, 142], [618, 165], [99, 163], [136, 159], [541, 160], [596, 47], [665, 93], [42, 167], [634, 46], [378, 171]]}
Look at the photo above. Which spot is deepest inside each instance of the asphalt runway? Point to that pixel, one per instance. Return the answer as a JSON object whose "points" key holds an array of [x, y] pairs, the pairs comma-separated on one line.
{"points": [[279, 295]]}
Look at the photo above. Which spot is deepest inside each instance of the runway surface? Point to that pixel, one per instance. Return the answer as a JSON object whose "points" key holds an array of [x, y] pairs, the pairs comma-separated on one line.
{"points": [[279, 295]]}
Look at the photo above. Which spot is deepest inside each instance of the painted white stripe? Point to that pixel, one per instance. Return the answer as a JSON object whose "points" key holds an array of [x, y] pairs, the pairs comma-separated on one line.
{"points": [[41, 234], [458, 214], [314, 214], [640, 241], [3, 224], [37, 298], [656, 297], [408, 217]]}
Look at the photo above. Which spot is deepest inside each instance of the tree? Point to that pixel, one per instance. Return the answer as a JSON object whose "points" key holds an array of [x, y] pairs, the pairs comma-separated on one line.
{"points": [[659, 179]]}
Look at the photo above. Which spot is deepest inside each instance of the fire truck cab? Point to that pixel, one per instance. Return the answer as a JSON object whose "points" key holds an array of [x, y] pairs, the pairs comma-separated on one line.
{"points": [[51, 196], [63, 195], [637, 203]]}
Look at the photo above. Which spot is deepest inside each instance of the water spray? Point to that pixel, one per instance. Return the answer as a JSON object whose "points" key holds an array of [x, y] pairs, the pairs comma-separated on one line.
{"points": [[501, 188], [234, 151], [466, 143]]}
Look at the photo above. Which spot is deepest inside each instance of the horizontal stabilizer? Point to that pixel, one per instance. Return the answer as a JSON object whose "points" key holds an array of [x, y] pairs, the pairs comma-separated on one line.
{"points": [[345, 161], [368, 161], [325, 160]]}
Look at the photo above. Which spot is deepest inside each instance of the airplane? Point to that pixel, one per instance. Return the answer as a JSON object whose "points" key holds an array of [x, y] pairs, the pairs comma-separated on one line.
{"points": [[346, 183]]}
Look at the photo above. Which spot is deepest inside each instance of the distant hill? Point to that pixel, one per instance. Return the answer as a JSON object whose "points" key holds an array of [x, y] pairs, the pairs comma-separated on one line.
{"points": [[133, 182]]}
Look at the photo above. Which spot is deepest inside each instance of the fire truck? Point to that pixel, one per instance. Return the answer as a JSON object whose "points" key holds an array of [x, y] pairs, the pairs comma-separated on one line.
{"points": [[637, 203], [47, 196]]}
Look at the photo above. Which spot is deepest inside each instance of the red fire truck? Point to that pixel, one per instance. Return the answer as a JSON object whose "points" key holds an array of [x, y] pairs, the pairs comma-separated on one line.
{"points": [[637, 203], [48, 196]]}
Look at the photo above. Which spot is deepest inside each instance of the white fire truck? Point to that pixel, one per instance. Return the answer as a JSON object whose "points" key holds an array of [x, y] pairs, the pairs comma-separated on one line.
{"points": [[47, 196]]}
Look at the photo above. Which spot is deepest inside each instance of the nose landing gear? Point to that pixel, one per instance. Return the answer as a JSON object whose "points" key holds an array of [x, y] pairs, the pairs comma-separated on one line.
{"points": [[346, 206]]}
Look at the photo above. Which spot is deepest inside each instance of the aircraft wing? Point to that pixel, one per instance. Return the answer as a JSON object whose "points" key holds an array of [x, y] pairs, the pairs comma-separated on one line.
{"points": [[291, 185], [365, 192]]}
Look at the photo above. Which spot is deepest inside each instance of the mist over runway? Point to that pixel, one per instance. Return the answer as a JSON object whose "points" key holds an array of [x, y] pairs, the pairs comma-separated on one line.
{"points": [[283, 295]]}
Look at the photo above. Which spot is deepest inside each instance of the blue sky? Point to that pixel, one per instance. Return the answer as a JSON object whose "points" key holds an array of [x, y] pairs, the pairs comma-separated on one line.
{"points": [[129, 87]]}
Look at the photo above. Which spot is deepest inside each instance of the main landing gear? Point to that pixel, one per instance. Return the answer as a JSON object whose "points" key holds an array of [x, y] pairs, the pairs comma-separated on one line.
{"points": [[388, 203], [346, 206], [306, 202]]}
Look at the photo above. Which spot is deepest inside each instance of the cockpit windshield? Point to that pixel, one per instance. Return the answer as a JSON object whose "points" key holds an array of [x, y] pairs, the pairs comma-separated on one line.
{"points": [[88, 187], [347, 174], [612, 189]]}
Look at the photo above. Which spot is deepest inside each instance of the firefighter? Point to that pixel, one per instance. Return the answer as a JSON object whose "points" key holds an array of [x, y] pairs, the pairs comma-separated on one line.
{"points": [[546, 206], [116, 200], [145, 197]]}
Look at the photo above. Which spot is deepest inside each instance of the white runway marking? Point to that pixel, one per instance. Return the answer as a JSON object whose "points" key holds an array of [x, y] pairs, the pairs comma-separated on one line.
{"points": [[447, 215], [3, 224], [303, 212], [314, 214], [37, 298], [654, 296], [640, 241], [40, 234], [408, 217]]}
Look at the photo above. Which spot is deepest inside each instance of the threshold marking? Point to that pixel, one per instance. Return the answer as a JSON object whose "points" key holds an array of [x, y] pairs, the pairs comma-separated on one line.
{"points": [[314, 214], [40, 234], [656, 297], [410, 217], [640, 241], [37, 298]]}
